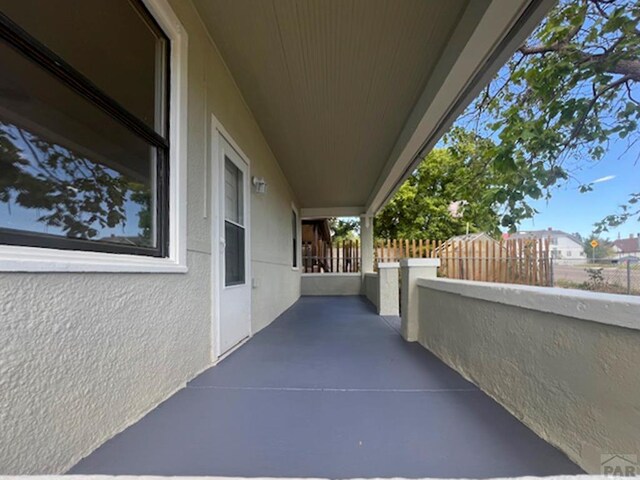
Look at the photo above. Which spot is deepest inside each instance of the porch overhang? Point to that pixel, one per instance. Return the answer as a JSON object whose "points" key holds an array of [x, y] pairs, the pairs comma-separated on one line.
{"points": [[350, 95]]}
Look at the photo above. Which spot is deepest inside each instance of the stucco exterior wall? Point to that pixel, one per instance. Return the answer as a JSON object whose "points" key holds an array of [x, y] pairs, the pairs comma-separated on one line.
{"points": [[85, 355], [571, 377], [331, 284], [372, 288]]}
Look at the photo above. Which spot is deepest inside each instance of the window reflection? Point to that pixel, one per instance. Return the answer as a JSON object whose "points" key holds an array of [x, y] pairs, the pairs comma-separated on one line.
{"points": [[48, 188]]}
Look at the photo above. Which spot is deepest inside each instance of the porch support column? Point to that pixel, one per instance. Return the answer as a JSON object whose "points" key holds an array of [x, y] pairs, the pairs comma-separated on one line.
{"points": [[389, 289], [411, 269], [366, 244]]}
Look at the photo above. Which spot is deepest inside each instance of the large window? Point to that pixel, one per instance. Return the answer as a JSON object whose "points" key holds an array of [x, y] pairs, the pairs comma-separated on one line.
{"points": [[84, 149]]}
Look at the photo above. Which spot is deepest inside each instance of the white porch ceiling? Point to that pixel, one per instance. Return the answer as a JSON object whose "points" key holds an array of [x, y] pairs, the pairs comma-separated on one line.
{"points": [[333, 84]]}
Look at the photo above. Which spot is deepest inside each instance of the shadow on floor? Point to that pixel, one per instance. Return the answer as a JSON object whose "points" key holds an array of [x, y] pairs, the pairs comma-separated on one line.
{"points": [[329, 389]]}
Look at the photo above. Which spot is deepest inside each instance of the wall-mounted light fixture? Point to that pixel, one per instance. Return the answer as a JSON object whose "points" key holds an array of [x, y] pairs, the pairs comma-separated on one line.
{"points": [[259, 185]]}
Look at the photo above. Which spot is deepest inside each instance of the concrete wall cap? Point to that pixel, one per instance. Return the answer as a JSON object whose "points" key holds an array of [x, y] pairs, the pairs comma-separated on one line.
{"points": [[371, 274], [605, 308], [388, 265], [420, 262]]}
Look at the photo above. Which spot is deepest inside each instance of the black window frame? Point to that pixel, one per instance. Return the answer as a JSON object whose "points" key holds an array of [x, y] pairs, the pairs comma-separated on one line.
{"points": [[34, 50]]}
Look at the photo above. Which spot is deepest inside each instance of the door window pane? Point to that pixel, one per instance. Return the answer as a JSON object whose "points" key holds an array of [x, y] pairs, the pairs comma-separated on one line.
{"points": [[114, 43], [233, 193], [67, 169], [234, 254], [233, 225]]}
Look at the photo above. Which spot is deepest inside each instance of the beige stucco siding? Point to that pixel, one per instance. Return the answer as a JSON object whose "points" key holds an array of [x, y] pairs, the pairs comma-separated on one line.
{"points": [[571, 380], [85, 355]]}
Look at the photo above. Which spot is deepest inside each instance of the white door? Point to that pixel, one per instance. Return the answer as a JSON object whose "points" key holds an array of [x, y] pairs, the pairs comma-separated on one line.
{"points": [[235, 288]]}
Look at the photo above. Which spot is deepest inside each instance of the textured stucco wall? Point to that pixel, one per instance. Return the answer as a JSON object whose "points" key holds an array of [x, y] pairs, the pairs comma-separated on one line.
{"points": [[574, 382], [85, 355], [372, 288], [214, 91], [331, 284]]}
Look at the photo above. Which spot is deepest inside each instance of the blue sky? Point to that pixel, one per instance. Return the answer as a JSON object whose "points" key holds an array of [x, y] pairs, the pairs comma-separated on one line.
{"points": [[572, 211]]}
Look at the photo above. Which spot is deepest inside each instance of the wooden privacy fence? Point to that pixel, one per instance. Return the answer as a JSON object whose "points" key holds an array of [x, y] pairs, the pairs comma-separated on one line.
{"points": [[522, 261], [331, 257]]}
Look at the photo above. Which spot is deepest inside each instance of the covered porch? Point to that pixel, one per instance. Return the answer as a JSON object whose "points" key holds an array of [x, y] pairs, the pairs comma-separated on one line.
{"points": [[330, 389], [196, 354]]}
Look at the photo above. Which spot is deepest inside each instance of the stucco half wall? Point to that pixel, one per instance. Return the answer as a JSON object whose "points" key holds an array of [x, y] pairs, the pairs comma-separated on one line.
{"points": [[331, 284], [84, 355], [371, 287], [564, 362]]}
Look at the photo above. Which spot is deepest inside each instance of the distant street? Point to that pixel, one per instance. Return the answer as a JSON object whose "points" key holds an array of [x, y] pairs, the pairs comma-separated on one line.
{"points": [[612, 274]]}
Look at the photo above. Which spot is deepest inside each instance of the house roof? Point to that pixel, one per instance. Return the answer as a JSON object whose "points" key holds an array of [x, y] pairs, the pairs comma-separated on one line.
{"points": [[548, 233], [470, 237], [628, 245]]}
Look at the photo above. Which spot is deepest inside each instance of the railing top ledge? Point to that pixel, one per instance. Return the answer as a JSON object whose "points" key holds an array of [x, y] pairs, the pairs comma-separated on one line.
{"points": [[388, 265], [605, 308], [419, 262]]}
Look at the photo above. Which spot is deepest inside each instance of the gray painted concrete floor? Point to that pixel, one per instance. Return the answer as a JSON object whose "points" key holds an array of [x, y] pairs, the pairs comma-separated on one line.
{"points": [[329, 389]]}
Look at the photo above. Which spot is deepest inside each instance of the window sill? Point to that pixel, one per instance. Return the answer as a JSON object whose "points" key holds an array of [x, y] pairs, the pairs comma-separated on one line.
{"points": [[33, 259]]}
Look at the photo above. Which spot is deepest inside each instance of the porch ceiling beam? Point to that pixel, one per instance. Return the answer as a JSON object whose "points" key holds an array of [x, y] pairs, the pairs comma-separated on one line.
{"points": [[326, 212], [460, 76]]}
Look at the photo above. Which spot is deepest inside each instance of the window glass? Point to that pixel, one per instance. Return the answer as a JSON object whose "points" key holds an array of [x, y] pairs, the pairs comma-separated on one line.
{"points": [[234, 254], [233, 225], [294, 235], [67, 169], [233, 192], [114, 43]]}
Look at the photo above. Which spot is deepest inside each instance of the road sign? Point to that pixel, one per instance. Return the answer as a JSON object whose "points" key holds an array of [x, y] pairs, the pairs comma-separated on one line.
{"points": [[594, 243]]}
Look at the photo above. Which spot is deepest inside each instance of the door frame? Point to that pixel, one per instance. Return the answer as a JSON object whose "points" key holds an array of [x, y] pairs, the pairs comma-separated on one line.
{"points": [[218, 132]]}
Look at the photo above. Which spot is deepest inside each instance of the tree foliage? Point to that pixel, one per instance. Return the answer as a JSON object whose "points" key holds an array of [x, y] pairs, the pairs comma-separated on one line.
{"points": [[603, 250], [460, 173], [344, 229], [560, 99]]}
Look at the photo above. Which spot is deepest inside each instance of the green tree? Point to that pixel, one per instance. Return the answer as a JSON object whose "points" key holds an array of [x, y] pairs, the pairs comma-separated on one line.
{"points": [[344, 229], [568, 90], [603, 250], [421, 208]]}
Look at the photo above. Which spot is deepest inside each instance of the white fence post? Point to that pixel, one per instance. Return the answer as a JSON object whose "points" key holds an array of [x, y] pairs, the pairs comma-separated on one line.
{"points": [[411, 270]]}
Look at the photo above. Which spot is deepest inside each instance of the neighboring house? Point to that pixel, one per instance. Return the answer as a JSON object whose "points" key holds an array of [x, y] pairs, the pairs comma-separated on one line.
{"points": [[565, 248], [627, 247], [316, 239], [208, 130], [314, 230]]}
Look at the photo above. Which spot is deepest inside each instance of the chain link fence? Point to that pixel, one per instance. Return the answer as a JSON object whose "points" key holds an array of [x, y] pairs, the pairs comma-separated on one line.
{"points": [[622, 277]]}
